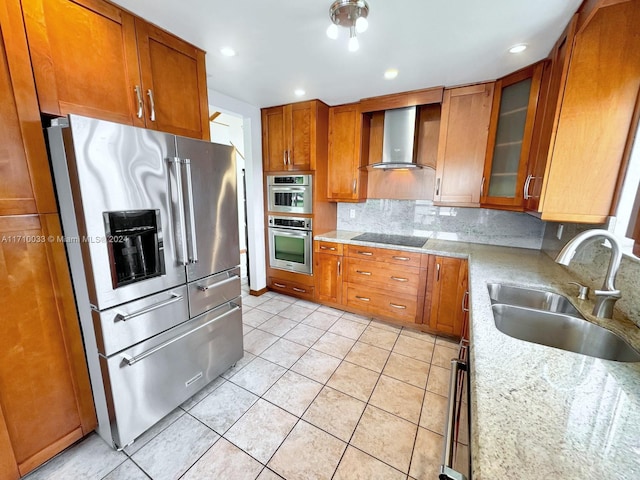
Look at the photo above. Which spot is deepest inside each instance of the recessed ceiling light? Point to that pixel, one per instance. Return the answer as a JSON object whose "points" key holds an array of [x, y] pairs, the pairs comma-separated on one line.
{"points": [[299, 92], [518, 48], [228, 52], [391, 73]]}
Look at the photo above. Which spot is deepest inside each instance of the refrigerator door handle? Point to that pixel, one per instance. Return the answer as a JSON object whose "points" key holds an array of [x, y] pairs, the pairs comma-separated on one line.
{"points": [[191, 219], [181, 241]]}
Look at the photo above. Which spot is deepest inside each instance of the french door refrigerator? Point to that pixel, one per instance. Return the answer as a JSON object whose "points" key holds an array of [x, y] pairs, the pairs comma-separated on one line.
{"points": [[150, 223]]}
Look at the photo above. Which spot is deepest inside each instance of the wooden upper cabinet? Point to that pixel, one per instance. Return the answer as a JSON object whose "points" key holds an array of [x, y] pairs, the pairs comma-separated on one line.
{"points": [[25, 181], [446, 291], [512, 117], [348, 154], [464, 129], [290, 136], [174, 83], [591, 119]]}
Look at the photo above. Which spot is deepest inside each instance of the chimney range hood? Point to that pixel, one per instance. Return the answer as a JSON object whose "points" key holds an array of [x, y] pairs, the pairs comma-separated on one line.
{"points": [[399, 139]]}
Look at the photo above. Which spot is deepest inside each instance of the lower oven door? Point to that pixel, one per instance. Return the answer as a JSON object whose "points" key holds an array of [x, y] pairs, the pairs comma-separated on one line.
{"points": [[290, 249], [147, 381]]}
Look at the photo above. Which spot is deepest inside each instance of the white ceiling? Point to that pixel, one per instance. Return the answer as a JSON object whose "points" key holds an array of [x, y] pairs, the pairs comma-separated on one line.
{"points": [[282, 44]]}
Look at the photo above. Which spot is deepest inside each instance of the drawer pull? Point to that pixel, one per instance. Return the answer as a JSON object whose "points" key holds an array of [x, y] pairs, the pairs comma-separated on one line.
{"points": [[323, 247], [400, 307], [124, 317], [204, 288], [300, 290], [404, 259], [399, 279], [368, 254], [279, 285], [364, 299], [362, 272]]}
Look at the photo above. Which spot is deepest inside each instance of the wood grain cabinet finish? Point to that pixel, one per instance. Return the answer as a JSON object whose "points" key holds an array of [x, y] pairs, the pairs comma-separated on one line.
{"points": [[328, 272], [289, 287], [348, 154], [91, 58], [464, 129], [505, 183], [292, 136], [446, 291], [594, 85]]}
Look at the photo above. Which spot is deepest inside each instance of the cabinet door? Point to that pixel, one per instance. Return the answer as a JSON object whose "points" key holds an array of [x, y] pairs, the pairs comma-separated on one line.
{"points": [[347, 181], [174, 83], [447, 285], [25, 181], [274, 142], [44, 386], [464, 128], [512, 117], [328, 278], [84, 58], [301, 133]]}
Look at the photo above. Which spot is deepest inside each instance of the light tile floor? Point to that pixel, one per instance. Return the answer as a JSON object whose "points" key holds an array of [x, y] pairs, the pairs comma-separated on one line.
{"points": [[319, 394]]}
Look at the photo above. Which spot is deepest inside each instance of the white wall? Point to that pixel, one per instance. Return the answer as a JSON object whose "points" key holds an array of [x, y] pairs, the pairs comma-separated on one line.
{"points": [[253, 174]]}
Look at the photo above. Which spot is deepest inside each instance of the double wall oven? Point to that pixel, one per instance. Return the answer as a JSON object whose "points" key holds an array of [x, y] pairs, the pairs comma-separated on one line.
{"points": [[290, 238]]}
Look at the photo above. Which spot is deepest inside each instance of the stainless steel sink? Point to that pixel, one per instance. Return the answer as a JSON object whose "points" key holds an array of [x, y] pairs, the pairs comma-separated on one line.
{"points": [[562, 331], [531, 298]]}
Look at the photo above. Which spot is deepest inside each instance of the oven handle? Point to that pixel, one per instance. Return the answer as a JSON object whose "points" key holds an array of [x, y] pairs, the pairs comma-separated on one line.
{"points": [[174, 298], [128, 360], [446, 470], [288, 189], [291, 233]]}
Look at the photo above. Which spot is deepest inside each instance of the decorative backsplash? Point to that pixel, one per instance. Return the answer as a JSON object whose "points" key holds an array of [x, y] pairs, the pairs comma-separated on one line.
{"points": [[422, 218], [590, 266]]}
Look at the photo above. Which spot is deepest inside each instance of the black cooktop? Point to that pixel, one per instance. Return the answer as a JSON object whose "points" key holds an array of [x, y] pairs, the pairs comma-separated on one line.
{"points": [[404, 240]]}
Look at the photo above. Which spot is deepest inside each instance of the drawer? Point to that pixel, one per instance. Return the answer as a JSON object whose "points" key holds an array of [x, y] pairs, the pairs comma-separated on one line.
{"points": [[402, 279], [290, 288], [398, 257], [382, 302], [328, 247], [214, 290]]}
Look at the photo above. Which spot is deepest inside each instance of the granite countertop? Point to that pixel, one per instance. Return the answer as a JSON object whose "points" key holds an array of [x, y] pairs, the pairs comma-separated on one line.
{"points": [[536, 411]]}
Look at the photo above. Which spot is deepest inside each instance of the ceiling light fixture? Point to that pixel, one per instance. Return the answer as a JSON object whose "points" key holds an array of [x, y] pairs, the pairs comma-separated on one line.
{"points": [[351, 14], [299, 92], [391, 73], [228, 52], [521, 47]]}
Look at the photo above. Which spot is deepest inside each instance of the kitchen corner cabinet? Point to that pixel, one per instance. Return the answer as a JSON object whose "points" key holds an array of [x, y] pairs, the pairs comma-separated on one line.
{"points": [[464, 129], [585, 125], [292, 134], [512, 117], [348, 154], [91, 58], [327, 266], [446, 300]]}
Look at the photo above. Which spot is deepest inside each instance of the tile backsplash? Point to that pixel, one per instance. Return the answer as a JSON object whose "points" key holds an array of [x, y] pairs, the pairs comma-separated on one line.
{"points": [[590, 265], [422, 218]]}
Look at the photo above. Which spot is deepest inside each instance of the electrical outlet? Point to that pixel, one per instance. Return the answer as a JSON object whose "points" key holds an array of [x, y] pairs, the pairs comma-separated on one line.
{"points": [[559, 231], [352, 213]]}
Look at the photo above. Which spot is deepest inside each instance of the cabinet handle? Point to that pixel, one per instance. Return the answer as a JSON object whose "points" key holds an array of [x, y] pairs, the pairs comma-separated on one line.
{"points": [[364, 299], [152, 117], [339, 268], [465, 306], [284, 157], [368, 254], [399, 307], [526, 187], [437, 272], [323, 247], [437, 187], [404, 259], [482, 188], [400, 279], [279, 285], [355, 184], [362, 272], [301, 290], [289, 157], [139, 98]]}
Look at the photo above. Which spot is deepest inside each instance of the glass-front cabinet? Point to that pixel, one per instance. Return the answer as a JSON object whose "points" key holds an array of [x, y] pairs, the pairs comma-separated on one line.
{"points": [[512, 118]]}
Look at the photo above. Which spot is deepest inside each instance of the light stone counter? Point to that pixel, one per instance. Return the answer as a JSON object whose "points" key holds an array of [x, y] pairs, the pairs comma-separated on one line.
{"points": [[540, 412]]}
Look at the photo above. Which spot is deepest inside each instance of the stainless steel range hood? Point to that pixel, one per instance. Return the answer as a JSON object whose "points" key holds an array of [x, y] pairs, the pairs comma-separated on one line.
{"points": [[399, 139]]}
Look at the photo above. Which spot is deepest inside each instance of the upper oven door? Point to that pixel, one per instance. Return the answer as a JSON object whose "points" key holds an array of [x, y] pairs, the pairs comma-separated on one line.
{"points": [[290, 249], [290, 198]]}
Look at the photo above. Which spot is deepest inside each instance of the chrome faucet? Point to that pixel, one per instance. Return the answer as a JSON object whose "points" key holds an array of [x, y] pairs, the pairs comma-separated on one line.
{"points": [[605, 298]]}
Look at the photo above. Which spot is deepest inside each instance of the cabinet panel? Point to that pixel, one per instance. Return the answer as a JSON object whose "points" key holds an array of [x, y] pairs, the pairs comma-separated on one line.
{"points": [[174, 83], [377, 301], [290, 288], [328, 278], [398, 257], [462, 145], [84, 58], [446, 290], [273, 139], [8, 465], [396, 278], [302, 139]]}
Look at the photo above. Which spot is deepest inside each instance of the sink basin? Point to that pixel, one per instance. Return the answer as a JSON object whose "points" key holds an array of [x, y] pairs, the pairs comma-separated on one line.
{"points": [[563, 331], [531, 298]]}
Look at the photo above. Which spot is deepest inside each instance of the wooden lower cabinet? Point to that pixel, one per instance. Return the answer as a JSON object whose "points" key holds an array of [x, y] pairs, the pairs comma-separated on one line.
{"points": [[327, 272], [445, 301], [382, 302], [284, 284], [45, 395]]}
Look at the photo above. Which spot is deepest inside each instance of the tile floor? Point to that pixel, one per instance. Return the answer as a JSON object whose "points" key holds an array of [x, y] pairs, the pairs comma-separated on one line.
{"points": [[319, 394]]}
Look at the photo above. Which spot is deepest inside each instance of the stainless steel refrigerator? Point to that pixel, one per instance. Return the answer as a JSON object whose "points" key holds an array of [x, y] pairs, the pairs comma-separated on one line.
{"points": [[151, 230]]}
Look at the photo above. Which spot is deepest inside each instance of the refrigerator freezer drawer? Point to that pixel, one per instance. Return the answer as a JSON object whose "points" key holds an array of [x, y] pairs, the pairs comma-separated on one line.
{"points": [[147, 381], [214, 290], [120, 327]]}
